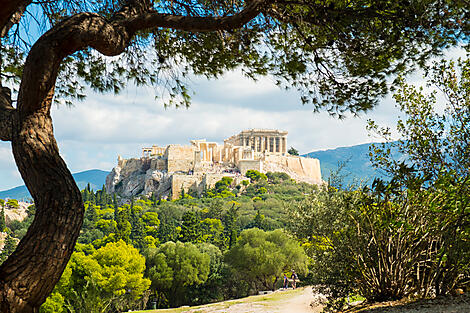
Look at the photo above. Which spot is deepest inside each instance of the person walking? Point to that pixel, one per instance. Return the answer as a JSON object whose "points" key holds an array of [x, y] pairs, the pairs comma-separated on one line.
{"points": [[286, 282], [294, 278]]}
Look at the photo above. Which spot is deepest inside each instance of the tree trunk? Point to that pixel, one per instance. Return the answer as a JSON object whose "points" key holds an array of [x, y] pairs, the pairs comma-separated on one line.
{"points": [[28, 276]]}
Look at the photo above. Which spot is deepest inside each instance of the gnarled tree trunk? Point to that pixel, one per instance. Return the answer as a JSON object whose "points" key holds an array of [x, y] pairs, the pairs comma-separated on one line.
{"points": [[28, 276]]}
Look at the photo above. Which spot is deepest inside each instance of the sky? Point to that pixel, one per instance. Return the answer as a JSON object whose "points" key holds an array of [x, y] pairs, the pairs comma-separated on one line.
{"points": [[92, 133]]}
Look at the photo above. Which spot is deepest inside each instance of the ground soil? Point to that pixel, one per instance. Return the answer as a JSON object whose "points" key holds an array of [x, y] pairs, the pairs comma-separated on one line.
{"points": [[302, 300]]}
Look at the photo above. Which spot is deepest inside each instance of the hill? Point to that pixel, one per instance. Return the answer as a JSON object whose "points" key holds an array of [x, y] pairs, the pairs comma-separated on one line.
{"points": [[96, 178], [357, 165]]}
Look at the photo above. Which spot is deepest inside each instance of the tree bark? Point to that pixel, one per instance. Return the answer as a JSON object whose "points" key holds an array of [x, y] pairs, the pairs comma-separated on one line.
{"points": [[28, 276]]}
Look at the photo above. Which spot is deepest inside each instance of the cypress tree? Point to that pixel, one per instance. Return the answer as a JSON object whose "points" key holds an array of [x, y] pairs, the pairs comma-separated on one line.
{"points": [[8, 248], [2, 219]]}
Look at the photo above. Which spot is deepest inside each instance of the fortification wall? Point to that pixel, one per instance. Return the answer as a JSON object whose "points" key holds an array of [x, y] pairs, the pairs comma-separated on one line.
{"points": [[187, 183], [159, 164], [245, 165], [180, 158], [299, 168]]}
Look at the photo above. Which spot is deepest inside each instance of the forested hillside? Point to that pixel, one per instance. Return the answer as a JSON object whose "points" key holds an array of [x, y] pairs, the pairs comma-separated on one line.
{"points": [[227, 244]]}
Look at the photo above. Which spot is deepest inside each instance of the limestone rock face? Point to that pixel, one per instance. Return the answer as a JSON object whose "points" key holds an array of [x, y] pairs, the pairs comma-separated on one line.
{"points": [[135, 177], [16, 214], [151, 176]]}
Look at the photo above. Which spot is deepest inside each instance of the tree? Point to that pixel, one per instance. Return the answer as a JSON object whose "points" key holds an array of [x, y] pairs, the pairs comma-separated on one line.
{"points": [[2, 219], [261, 257], [8, 248], [409, 235], [174, 266], [102, 280], [191, 228], [338, 54], [435, 141], [293, 151]]}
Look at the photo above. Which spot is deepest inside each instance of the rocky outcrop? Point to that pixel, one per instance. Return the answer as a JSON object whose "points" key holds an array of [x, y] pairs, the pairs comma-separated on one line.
{"points": [[151, 176], [134, 177], [13, 213]]}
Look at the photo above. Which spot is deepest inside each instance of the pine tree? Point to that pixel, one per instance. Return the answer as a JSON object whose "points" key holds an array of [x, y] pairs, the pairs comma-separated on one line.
{"points": [[115, 203], [8, 248], [230, 225], [2, 219], [138, 229], [258, 220], [191, 230]]}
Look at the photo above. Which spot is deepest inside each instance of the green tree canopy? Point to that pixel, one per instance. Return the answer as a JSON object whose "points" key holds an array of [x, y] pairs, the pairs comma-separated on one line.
{"points": [[102, 280], [261, 257], [174, 266]]}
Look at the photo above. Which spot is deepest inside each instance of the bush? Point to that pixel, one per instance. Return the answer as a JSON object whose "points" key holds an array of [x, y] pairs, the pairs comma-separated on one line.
{"points": [[385, 243]]}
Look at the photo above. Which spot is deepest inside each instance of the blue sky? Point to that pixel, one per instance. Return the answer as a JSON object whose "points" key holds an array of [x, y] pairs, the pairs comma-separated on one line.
{"points": [[94, 132]]}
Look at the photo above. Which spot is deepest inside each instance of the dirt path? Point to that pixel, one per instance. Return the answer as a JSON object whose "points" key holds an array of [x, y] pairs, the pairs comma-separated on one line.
{"points": [[299, 303], [281, 301], [289, 301]]}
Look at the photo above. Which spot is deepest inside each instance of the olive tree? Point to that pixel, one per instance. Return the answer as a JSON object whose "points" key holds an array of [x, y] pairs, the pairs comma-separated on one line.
{"points": [[337, 53]]}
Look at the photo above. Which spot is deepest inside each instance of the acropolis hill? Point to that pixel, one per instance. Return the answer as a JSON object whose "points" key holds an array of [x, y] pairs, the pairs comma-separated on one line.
{"points": [[166, 171]]}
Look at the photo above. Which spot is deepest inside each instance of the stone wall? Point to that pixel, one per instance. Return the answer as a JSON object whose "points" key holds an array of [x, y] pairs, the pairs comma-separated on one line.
{"points": [[180, 158], [199, 182], [245, 165], [185, 182], [299, 168]]}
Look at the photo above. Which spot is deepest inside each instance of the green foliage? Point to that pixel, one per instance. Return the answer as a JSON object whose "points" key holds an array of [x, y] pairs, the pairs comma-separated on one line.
{"points": [[408, 236], [173, 267], [2, 219], [13, 203], [360, 44], [260, 257], [191, 228], [293, 151], [255, 176], [108, 278], [55, 303], [213, 224], [8, 248], [438, 160]]}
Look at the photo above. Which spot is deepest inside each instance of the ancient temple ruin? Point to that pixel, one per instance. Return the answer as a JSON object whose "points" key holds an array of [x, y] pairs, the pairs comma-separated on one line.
{"points": [[248, 145], [202, 163]]}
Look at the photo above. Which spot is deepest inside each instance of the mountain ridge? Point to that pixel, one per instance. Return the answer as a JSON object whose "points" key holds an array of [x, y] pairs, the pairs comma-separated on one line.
{"points": [[95, 177], [355, 162]]}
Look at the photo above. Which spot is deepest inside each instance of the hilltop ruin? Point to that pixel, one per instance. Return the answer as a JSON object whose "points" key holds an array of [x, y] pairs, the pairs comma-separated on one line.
{"points": [[166, 171]]}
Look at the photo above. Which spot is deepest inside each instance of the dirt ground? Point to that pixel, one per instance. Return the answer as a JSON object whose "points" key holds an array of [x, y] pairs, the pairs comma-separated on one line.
{"points": [[299, 301], [281, 301]]}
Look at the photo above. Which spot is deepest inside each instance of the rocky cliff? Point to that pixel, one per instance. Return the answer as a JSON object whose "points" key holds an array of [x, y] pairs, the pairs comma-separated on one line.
{"points": [[134, 177], [147, 176]]}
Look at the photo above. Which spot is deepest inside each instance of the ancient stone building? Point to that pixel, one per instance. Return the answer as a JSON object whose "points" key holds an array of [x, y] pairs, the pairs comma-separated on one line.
{"points": [[199, 165]]}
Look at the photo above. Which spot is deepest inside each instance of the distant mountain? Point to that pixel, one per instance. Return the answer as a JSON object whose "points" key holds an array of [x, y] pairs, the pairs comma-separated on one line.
{"points": [[358, 167], [96, 178]]}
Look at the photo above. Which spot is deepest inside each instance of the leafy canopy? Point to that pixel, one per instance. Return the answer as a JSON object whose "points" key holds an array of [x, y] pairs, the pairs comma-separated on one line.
{"points": [[338, 54]]}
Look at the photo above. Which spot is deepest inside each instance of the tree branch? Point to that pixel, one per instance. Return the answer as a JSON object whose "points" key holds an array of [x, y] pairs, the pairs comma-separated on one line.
{"points": [[195, 24], [109, 37], [10, 14]]}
